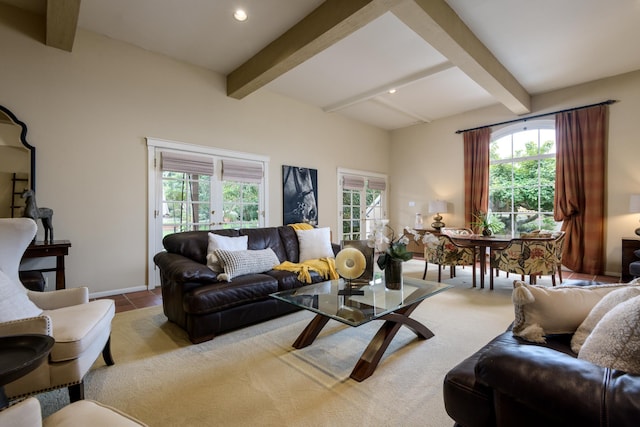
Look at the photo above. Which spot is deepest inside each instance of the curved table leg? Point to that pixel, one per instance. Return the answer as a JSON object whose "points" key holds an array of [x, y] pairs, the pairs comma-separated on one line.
{"points": [[369, 360], [309, 334]]}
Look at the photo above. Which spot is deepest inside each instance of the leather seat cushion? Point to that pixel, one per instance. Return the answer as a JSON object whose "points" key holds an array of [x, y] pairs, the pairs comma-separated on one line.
{"points": [[222, 295], [75, 328]]}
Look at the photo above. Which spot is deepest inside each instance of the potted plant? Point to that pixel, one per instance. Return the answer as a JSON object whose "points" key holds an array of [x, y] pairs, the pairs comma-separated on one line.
{"points": [[486, 223]]}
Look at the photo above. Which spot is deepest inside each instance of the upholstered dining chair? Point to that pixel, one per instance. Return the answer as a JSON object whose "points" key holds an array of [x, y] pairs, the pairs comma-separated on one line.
{"points": [[531, 257], [81, 328], [447, 253]]}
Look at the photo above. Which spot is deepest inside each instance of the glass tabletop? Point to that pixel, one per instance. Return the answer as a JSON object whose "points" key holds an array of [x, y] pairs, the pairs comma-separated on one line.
{"points": [[332, 298]]}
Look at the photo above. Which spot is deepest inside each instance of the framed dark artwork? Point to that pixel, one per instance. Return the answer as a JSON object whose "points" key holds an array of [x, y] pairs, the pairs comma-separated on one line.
{"points": [[299, 195]]}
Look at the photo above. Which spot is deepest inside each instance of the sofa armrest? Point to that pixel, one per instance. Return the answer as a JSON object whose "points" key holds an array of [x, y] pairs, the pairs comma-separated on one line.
{"points": [[178, 268], [25, 413], [59, 298], [31, 325], [533, 383]]}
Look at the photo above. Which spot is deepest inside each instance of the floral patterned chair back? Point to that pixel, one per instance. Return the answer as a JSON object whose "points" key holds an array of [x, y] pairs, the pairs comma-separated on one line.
{"points": [[447, 253], [453, 231], [533, 257]]}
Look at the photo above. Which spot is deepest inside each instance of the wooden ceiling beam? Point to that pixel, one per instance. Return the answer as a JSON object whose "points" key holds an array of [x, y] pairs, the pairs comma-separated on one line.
{"points": [[442, 28], [332, 21], [62, 22]]}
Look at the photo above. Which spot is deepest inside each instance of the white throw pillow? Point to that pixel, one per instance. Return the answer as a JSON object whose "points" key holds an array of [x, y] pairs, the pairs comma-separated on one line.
{"points": [[541, 311], [14, 303], [607, 303], [314, 243], [615, 341], [223, 242], [239, 263]]}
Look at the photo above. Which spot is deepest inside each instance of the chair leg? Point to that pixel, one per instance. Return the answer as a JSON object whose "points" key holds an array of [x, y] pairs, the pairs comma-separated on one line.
{"points": [[553, 279], [76, 392], [106, 353], [424, 275], [560, 272], [439, 273]]}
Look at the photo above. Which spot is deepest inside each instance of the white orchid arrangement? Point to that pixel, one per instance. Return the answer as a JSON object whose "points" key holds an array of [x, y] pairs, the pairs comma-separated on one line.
{"points": [[390, 246]]}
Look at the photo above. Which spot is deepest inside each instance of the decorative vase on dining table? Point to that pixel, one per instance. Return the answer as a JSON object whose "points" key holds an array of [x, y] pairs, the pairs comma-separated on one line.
{"points": [[393, 274]]}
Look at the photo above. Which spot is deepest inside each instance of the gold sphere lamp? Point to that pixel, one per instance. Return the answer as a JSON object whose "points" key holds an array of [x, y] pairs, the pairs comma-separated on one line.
{"points": [[437, 207]]}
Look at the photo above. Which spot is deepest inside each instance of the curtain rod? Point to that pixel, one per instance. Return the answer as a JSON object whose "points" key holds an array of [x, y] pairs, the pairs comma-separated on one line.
{"points": [[524, 119]]}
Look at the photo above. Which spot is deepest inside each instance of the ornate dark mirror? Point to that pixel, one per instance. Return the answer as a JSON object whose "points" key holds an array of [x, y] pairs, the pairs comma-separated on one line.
{"points": [[17, 164]]}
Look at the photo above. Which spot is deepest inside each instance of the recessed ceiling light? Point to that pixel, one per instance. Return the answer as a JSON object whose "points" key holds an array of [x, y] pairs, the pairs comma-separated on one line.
{"points": [[392, 91], [240, 15]]}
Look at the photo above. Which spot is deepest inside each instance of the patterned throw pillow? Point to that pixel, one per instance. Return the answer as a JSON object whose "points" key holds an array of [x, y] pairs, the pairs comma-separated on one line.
{"points": [[217, 241], [239, 263], [615, 341], [597, 313]]}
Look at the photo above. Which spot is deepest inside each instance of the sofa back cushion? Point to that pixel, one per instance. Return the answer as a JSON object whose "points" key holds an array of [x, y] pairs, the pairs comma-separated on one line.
{"points": [[262, 238], [290, 242], [193, 244]]}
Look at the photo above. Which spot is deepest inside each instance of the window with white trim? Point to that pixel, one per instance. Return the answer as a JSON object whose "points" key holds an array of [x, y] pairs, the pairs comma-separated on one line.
{"points": [[362, 200], [522, 176]]}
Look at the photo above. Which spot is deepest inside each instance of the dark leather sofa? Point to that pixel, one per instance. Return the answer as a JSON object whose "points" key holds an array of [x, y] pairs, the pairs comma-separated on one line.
{"points": [[512, 382], [194, 299]]}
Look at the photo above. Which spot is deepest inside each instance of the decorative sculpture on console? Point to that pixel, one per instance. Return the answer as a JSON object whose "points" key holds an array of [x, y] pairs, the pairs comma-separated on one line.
{"points": [[31, 210]]}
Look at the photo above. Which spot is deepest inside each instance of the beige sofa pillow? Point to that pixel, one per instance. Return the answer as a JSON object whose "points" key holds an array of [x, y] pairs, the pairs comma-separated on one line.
{"points": [[609, 301], [615, 341], [541, 311]]}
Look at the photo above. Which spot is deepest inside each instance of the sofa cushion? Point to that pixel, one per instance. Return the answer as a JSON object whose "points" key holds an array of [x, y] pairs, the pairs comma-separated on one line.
{"points": [[192, 244], [615, 340], [76, 327], [314, 243], [222, 295], [262, 238], [240, 263], [540, 311], [217, 241], [608, 302], [290, 242], [14, 303]]}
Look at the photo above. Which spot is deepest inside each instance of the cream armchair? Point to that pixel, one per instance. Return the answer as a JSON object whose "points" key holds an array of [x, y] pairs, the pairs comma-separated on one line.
{"points": [[81, 328], [84, 413]]}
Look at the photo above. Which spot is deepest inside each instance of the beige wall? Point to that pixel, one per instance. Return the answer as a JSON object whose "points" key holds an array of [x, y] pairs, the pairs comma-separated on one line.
{"points": [[88, 113], [426, 161]]}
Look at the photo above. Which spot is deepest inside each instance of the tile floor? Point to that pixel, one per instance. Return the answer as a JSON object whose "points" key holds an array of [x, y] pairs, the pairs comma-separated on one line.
{"points": [[141, 299]]}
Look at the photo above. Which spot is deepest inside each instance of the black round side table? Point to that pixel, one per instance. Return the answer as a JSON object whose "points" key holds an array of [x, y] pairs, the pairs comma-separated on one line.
{"points": [[19, 355]]}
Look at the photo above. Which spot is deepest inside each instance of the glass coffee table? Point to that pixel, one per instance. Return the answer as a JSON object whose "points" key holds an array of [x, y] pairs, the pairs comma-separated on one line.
{"points": [[335, 299]]}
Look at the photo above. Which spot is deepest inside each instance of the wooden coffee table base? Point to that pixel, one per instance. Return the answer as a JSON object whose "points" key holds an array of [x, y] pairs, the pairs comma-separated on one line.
{"points": [[369, 360]]}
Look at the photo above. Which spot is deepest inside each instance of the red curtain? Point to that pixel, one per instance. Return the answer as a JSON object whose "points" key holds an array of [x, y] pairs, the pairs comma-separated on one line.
{"points": [[579, 192], [476, 172]]}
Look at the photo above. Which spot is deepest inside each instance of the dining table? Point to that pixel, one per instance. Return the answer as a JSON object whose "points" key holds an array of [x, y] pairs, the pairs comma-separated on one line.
{"points": [[482, 243]]}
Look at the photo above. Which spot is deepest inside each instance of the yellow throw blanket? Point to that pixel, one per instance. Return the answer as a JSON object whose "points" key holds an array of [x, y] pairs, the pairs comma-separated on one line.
{"points": [[326, 267], [301, 226]]}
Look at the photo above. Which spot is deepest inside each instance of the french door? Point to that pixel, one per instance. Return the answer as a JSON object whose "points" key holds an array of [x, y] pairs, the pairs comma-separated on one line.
{"points": [[200, 188]]}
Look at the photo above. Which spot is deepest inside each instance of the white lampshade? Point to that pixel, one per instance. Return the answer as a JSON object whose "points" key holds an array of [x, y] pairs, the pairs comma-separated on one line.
{"points": [[438, 206], [634, 203]]}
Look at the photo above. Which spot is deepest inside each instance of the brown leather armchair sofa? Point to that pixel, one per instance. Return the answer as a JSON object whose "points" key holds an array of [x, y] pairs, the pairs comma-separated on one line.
{"points": [[194, 299], [513, 382]]}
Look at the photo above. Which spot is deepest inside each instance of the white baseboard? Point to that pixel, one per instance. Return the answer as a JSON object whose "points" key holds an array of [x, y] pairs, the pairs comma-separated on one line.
{"points": [[117, 292]]}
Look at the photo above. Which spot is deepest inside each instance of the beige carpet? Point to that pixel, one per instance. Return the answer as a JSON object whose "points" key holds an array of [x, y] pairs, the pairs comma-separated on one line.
{"points": [[253, 377]]}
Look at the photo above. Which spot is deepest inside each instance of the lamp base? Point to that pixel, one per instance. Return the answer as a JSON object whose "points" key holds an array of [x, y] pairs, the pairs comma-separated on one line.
{"points": [[437, 224]]}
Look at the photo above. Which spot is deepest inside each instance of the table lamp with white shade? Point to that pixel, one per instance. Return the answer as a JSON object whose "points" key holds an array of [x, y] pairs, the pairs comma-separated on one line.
{"points": [[437, 207], [634, 207]]}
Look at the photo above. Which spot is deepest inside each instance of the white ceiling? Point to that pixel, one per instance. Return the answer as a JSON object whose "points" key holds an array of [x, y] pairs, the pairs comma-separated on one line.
{"points": [[544, 45]]}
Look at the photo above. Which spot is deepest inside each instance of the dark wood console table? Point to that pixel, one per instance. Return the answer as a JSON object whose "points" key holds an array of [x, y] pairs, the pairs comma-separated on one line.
{"points": [[58, 249], [629, 245]]}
